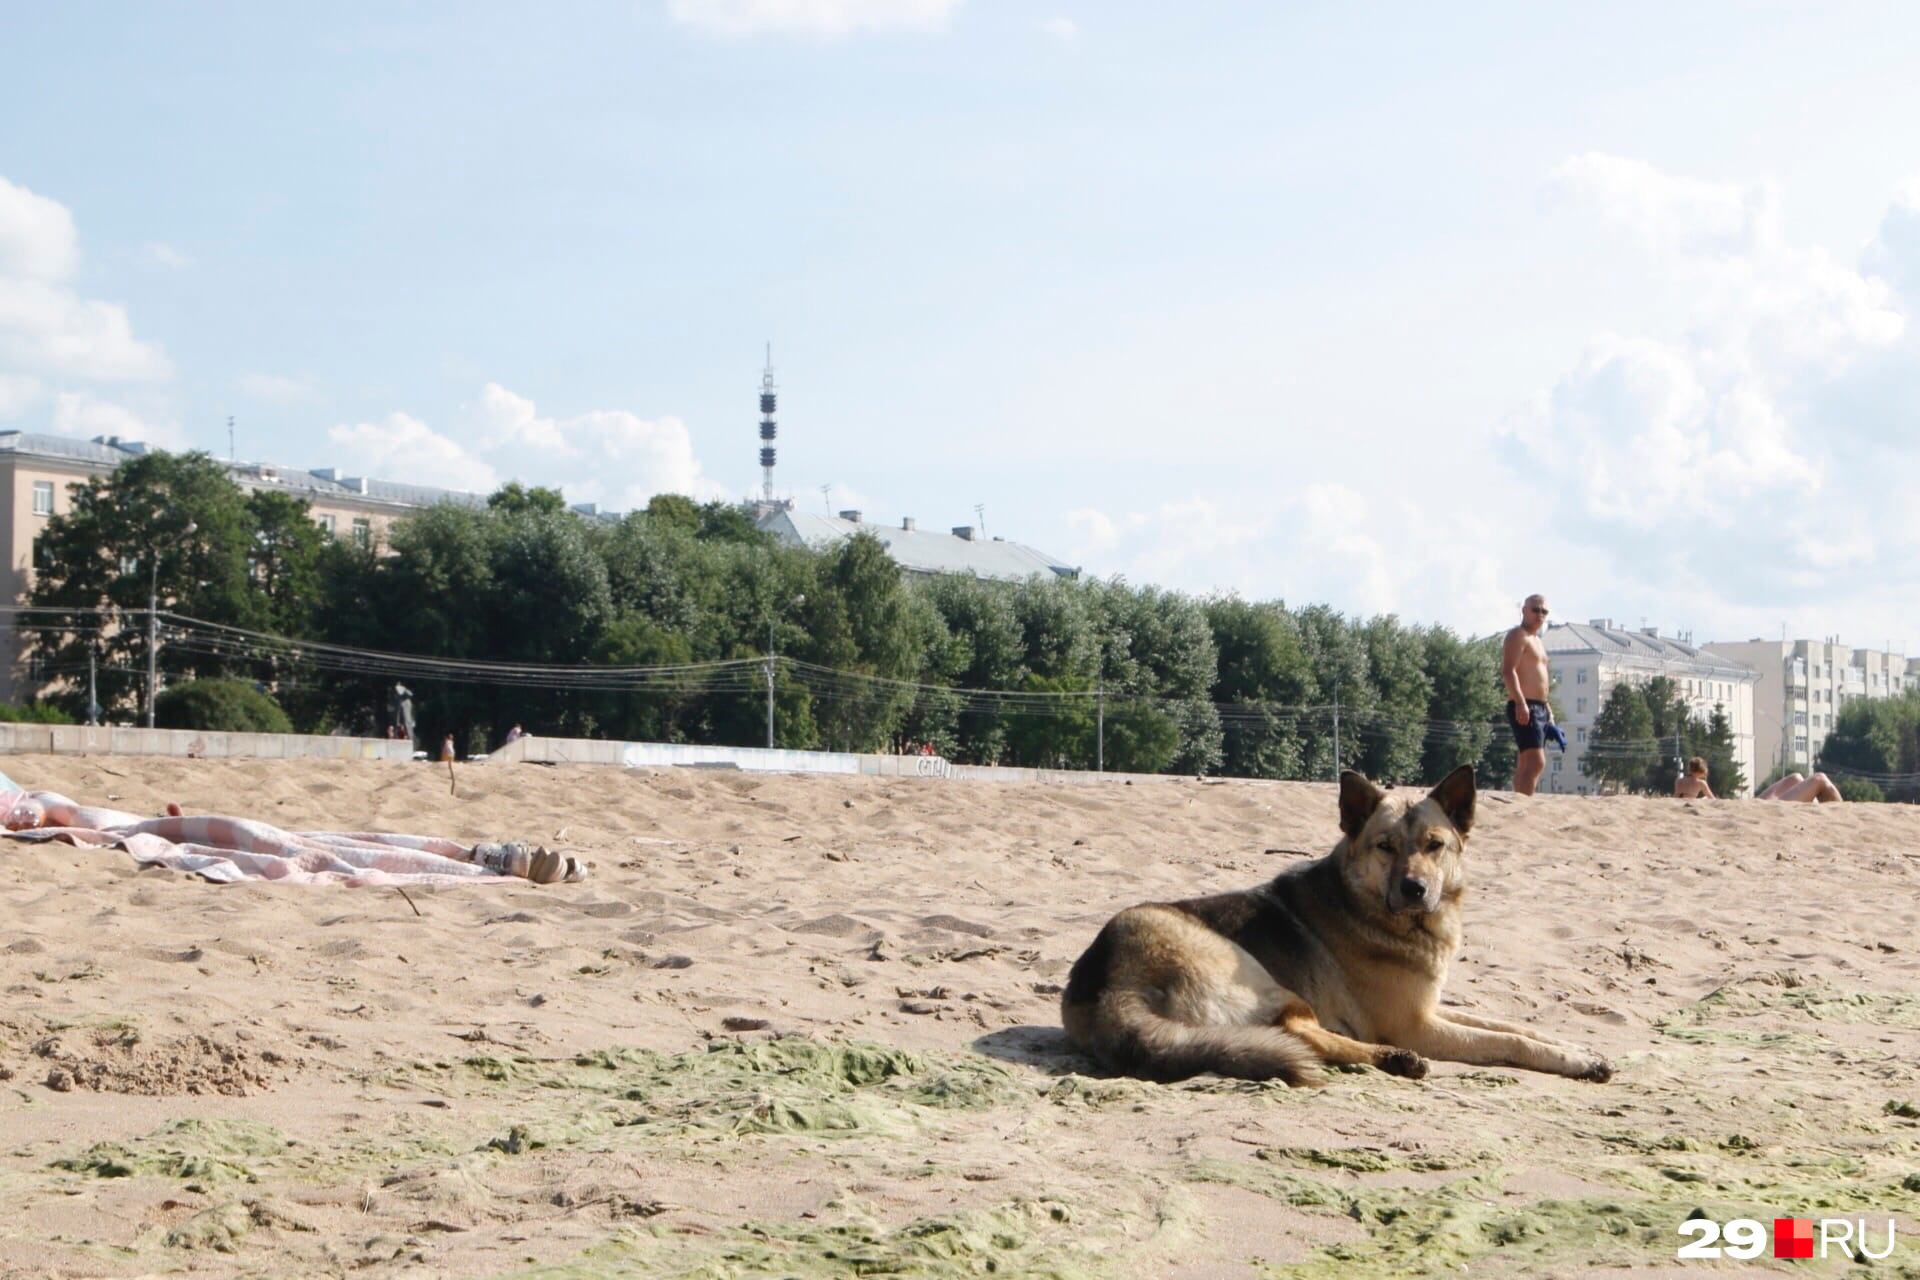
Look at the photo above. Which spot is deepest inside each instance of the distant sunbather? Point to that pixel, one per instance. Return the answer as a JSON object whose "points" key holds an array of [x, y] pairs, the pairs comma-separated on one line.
{"points": [[1692, 785], [1818, 789]]}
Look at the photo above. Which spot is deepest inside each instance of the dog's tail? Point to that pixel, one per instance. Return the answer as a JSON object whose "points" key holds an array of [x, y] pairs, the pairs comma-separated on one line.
{"points": [[1123, 1030]]}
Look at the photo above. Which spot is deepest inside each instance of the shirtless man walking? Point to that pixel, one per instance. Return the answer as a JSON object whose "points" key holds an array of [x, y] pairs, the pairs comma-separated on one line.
{"points": [[1523, 669]]}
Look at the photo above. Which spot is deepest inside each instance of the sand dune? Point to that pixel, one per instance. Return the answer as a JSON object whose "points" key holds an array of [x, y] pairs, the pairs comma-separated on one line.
{"points": [[808, 1026]]}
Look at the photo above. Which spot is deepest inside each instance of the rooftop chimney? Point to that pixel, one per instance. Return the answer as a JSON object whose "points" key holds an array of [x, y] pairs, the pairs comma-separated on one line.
{"points": [[1605, 624], [850, 515], [906, 522], [963, 531]]}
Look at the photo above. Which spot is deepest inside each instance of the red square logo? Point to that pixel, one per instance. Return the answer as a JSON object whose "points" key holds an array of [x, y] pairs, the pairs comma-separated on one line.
{"points": [[1792, 1238]]}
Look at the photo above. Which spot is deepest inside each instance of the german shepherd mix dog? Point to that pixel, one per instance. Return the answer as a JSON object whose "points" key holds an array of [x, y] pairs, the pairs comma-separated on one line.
{"points": [[1339, 960]]}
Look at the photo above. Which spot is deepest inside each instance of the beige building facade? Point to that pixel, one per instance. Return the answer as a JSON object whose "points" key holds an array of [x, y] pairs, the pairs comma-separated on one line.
{"points": [[1587, 660], [1803, 685], [36, 472]]}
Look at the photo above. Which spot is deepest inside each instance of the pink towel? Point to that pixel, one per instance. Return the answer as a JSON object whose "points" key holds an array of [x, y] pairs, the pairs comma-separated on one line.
{"points": [[228, 849]]}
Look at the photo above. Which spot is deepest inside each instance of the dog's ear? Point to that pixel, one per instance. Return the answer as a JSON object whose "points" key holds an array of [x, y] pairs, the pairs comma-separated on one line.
{"points": [[1455, 796], [1358, 799]]}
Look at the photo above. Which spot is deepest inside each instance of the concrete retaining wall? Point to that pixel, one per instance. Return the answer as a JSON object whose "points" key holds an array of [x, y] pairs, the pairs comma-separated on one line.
{"points": [[658, 755], [72, 740], [117, 740]]}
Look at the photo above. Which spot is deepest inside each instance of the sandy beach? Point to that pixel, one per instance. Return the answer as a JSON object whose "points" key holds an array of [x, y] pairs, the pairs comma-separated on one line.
{"points": [[808, 1027]]}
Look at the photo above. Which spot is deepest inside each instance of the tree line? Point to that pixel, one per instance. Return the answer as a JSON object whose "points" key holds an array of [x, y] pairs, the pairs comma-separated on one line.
{"points": [[869, 659], [1873, 752]]}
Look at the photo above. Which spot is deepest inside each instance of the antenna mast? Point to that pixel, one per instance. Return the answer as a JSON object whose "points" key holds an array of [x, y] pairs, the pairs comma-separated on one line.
{"points": [[768, 428]]}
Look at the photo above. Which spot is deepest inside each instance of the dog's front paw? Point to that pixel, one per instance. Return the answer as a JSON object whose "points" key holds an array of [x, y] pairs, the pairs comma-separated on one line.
{"points": [[1402, 1062], [1598, 1070]]}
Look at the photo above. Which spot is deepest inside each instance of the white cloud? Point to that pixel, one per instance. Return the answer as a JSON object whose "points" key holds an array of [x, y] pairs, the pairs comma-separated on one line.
{"points": [[165, 255], [1895, 251], [1065, 30], [37, 239], [76, 413], [1754, 294], [275, 388], [1364, 553], [826, 19], [46, 329], [510, 422], [18, 393], [403, 448], [1644, 434], [1748, 451], [608, 456]]}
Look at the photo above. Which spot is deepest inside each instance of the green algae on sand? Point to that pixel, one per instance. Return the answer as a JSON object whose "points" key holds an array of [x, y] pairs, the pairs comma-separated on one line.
{"points": [[211, 1150], [1040, 1238]]}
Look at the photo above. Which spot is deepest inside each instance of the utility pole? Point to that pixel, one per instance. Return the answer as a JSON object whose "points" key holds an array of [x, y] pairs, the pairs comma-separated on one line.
{"points": [[153, 621], [1100, 721], [93, 691], [1336, 728], [795, 603], [153, 631], [769, 673]]}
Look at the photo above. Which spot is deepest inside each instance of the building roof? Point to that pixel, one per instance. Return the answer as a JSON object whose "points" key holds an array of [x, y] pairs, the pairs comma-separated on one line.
{"points": [[1569, 639], [321, 484], [919, 550], [104, 451]]}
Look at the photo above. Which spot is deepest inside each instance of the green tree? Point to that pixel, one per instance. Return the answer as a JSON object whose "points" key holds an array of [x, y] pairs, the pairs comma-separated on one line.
{"points": [[515, 499], [1338, 659], [1158, 645], [882, 630], [226, 706], [1141, 737], [1714, 741], [982, 647], [1263, 678], [1877, 740], [1057, 732], [171, 529], [1622, 748], [1395, 737], [1465, 712]]}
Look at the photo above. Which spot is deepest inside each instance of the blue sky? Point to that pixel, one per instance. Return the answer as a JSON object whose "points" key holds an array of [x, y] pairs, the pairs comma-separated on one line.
{"points": [[1397, 308]]}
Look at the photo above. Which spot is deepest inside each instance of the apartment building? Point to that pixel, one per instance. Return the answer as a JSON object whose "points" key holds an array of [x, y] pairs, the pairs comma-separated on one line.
{"points": [[36, 471], [1802, 686], [1588, 659]]}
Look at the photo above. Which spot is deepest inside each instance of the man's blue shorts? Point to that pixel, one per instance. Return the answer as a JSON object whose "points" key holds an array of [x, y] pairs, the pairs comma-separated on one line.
{"points": [[1531, 736]]}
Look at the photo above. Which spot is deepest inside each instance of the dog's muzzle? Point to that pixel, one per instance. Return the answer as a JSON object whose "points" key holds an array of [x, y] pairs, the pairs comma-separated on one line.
{"points": [[1413, 894]]}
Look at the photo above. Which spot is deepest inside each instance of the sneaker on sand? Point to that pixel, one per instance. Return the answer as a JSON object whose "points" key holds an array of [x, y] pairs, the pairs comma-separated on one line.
{"points": [[529, 862]]}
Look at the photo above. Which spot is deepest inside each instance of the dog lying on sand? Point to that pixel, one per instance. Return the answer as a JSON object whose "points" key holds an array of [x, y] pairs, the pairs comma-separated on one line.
{"points": [[1340, 960]]}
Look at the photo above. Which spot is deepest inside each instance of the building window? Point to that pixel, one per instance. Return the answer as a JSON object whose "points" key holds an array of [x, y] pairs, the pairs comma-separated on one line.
{"points": [[1580, 676], [1580, 735], [43, 497], [1556, 764], [362, 532], [326, 523], [1580, 706]]}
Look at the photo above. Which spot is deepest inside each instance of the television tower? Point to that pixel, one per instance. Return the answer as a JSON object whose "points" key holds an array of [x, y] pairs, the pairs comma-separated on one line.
{"points": [[768, 428]]}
